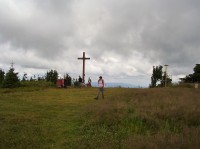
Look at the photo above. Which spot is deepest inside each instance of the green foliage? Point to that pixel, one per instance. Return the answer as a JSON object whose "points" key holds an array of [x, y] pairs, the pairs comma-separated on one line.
{"points": [[195, 77], [197, 69], [11, 79], [52, 76], [166, 78], [159, 76], [196, 74], [2, 76], [36, 84], [156, 76], [182, 85], [24, 77], [68, 80]]}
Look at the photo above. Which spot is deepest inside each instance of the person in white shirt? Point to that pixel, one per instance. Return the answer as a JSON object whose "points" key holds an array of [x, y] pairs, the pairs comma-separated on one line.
{"points": [[101, 87]]}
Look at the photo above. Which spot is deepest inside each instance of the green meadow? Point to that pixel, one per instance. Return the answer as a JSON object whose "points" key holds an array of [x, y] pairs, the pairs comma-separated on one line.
{"points": [[51, 118]]}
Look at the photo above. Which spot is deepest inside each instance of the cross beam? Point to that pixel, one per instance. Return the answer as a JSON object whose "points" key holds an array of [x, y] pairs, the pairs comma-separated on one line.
{"points": [[83, 74]]}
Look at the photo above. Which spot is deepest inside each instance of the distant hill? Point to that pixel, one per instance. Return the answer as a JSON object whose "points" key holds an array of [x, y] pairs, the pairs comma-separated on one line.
{"points": [[117, 84]]}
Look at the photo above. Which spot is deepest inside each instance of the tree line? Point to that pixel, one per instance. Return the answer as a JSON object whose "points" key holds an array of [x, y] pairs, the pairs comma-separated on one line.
{"points": [[12, 80], [160, 78]]}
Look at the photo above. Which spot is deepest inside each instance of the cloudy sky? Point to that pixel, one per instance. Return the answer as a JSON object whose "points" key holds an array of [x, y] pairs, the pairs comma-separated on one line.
{"points": [[123, 38]]}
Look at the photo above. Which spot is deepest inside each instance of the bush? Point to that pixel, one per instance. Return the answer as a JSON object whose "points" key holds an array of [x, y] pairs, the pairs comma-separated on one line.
{"points": [[184, 85], [38, 84]]}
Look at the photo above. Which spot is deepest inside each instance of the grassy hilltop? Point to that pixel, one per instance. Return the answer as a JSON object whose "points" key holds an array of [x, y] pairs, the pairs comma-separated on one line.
{"points": [[127, 118]]}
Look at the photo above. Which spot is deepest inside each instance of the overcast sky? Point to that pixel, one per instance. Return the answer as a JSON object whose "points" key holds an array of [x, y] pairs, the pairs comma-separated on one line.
{"points": [[123, 38]]}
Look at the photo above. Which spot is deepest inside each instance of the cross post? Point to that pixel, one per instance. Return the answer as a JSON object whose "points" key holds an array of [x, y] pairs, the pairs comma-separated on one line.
{"points": [[83, 74]]}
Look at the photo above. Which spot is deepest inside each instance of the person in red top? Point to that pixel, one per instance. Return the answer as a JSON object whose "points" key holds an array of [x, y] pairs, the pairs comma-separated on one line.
{"points": [[101, 87]]}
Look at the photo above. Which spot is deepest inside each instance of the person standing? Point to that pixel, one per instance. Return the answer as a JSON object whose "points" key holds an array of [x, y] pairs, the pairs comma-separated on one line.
{"points": [[80, 79], [89, 82], [101, 87]]}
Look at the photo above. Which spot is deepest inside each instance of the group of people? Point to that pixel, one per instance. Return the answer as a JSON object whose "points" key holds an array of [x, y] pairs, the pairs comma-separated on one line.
{"points": [[80, 80]]}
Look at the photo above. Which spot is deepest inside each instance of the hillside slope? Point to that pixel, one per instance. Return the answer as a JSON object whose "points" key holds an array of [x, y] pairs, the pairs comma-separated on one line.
{"points": [[126, 118]]}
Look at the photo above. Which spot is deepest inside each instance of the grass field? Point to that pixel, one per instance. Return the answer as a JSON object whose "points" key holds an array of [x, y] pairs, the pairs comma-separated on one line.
{"points": [[70, 118]]}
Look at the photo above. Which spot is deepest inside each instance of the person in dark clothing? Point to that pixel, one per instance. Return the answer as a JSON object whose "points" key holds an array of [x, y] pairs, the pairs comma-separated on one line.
{"points": [[80, 79]]}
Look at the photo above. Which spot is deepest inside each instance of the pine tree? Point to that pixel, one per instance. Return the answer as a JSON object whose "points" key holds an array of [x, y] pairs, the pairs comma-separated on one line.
{"points": [[52, 76], [11, 79]]}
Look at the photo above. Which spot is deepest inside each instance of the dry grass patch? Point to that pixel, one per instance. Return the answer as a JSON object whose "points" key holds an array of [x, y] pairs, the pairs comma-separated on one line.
{"points": [[143, 118]]}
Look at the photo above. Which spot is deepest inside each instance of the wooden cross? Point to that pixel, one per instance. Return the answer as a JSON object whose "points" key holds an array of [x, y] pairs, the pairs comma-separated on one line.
{"points": [[83, 58]]}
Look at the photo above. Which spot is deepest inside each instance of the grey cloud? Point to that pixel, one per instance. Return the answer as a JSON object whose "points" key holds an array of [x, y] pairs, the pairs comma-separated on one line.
{"points": [[41, 30], [163, 32], [175, 34]]}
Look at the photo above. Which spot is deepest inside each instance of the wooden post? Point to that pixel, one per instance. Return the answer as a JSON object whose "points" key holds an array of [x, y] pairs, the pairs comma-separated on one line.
{"points": [[83, 74]]}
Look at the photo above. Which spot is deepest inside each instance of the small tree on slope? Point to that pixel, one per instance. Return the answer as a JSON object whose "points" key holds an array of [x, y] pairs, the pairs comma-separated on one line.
{"points": [[11, 79]]}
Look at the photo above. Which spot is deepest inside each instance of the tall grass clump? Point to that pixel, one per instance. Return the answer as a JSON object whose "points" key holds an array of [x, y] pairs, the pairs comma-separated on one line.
{"points": [[143, 118]]}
